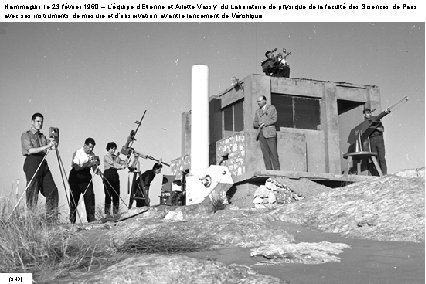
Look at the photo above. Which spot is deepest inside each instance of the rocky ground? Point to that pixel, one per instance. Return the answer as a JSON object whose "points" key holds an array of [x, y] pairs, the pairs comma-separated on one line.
{"points": [[389, 209], [152, 245]]}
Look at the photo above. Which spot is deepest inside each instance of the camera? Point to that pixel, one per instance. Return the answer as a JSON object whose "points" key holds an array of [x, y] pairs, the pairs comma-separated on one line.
{"points": [[54, 134], [96, 159]]}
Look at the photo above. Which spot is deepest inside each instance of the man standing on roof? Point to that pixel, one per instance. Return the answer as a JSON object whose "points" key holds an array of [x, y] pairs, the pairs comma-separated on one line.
{"points": [[264, 120], [373, 130]]}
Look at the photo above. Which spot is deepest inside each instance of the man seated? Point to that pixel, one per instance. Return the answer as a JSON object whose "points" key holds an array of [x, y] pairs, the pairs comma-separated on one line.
{"points": [[283, 69], [276, 64], [269, 64]]}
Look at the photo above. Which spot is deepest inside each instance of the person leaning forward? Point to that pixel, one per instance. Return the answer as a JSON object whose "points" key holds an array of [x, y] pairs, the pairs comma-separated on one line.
{"points": [[81, 180], [34, 147], [264, 120], [141, 186]]}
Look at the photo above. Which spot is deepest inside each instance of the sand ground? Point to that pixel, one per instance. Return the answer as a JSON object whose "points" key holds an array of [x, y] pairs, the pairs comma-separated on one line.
{"points": [[367, 261]]}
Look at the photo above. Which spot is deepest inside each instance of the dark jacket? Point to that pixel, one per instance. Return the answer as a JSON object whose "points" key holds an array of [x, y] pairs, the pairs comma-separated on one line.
{"points": [[373, 126], [147, 177]]}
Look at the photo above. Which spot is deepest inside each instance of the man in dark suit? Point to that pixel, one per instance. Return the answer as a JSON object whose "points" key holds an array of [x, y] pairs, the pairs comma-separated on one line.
{"points": [[264, 120], [372, 128]]}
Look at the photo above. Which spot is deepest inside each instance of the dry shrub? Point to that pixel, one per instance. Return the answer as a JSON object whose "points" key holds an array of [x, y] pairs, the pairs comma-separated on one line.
{"points": [[217, 203], [29, 243], [25, 241]]}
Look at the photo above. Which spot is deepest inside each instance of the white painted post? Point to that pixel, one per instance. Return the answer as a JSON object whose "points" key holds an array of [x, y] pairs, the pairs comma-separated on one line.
{"points": [[200, 120], [195, 190]]}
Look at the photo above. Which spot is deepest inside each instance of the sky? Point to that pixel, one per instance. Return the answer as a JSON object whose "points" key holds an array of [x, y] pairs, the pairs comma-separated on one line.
{"points": [[96, 79]]}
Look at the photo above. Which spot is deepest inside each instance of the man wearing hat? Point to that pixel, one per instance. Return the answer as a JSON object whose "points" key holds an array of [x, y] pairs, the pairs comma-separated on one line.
{"points": [[374, 131]]}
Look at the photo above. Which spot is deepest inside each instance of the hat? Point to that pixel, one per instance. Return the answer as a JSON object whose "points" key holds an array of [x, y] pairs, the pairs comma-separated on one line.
{"points": [[367, 107], [157, 166], [369, 110]]}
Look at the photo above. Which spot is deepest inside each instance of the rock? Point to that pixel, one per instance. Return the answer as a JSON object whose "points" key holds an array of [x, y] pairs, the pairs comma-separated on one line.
{"points": [[174, 216], [171, 269], [420, 172], [223, 229], [302, 187], [274, 192], [387, 208], [262, 192], [304, 252]]}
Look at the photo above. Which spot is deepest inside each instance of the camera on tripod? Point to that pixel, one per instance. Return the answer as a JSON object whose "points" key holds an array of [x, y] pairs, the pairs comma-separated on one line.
{"points": [[96, 159], [54, 134]]}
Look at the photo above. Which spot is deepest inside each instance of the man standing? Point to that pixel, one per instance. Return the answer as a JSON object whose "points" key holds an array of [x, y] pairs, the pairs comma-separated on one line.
{"points": [[373, 130], [81, 179], [34, 147], [112, 163], [264, 120]]}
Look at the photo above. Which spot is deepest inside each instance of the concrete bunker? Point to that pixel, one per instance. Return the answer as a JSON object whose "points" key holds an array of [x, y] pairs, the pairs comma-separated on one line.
{"points": [[315, 128]]}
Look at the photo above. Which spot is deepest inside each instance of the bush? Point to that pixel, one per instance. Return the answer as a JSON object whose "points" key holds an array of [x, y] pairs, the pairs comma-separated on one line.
{"points": [[25, 240]]}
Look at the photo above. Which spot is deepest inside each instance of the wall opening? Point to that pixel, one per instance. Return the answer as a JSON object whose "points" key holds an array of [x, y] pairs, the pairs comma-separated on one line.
{"points": [[350, 115], [297, 112], [233, 118]]}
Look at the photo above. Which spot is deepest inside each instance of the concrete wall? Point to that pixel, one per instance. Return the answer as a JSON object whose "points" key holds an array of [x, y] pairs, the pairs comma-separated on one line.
{"points": [[179, 165], [186, 133], [329, 121], [347, 121], [325, 148], [235, 146], [314, 148], [254, 161], [374, 99], [215, 127], [256, 86], [245, 156], [297, 87]]}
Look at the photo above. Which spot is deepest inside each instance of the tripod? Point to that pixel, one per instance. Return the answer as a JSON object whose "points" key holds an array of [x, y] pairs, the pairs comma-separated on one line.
{"points": [[63, 173], [28, 185], [61, 169], [138, 193], [110, 186]]}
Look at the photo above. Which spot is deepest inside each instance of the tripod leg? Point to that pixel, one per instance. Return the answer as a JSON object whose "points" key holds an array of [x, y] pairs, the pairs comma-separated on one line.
{"points": [[64, 173], [376, 164], [132, 191]]}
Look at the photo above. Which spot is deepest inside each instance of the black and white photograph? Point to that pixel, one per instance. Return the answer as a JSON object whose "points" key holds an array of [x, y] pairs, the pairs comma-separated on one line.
{"points": [[213, 152]]}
